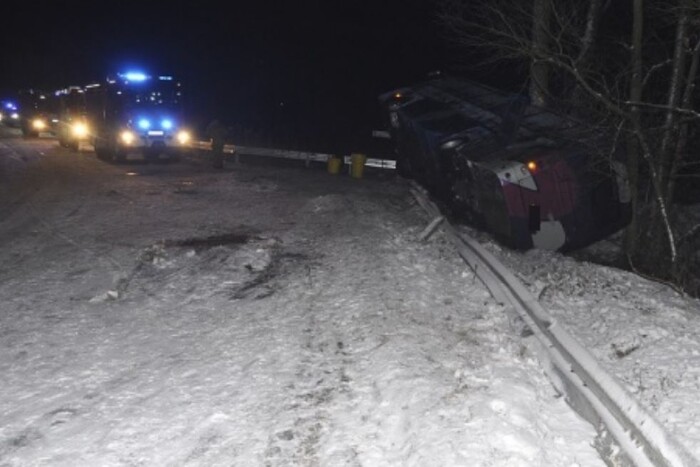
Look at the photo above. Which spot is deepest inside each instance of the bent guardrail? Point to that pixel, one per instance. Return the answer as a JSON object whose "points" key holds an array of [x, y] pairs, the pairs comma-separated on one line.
{"points": [[590, 390]]}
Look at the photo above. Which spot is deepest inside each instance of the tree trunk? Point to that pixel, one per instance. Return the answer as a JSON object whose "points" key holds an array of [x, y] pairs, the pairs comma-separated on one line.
{"points": [[633, 147], [589, 34], [539, 70], [686, 103], [674, 96]]}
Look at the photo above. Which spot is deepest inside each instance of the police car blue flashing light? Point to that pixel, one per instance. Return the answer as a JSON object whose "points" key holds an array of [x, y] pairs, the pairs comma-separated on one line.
{"points": [[134, 76], [166, 124], [144, 123]]}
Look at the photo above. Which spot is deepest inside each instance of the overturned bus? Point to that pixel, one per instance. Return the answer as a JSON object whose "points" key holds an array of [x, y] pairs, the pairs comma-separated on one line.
{"points": [[530, 177]]}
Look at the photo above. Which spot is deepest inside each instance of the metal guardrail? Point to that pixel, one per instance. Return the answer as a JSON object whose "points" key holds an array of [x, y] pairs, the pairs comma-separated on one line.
{"points": [[305, 156], [573, 370]]}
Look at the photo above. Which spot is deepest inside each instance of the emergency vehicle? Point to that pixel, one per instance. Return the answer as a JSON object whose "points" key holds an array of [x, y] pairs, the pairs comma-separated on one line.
{"points": [[72, 127], [135, 113], [36, 112]]}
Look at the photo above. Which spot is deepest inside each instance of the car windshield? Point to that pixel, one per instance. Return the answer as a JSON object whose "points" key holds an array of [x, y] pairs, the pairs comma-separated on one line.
{"points": [[37, 102], [157, 93]]}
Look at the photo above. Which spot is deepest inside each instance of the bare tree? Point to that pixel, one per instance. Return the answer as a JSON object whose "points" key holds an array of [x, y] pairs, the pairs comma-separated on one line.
{"points": [[635, 74]]}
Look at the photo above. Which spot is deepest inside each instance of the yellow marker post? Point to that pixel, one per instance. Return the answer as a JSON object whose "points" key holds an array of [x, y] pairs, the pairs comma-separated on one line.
{"points": [[334, 164], [357, 164]]}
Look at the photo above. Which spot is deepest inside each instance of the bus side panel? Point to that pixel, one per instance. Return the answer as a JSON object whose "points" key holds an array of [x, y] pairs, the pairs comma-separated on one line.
{"points": [[492, 204]]}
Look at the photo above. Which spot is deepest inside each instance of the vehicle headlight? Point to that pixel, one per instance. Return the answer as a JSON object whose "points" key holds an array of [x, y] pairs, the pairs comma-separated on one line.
{"points": [[38, 124], [183, 137], [14, 116], [80, 130], [127, 137]]}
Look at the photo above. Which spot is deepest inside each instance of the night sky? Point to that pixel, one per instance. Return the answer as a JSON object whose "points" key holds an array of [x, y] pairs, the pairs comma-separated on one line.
{"points": [[307, 62]]}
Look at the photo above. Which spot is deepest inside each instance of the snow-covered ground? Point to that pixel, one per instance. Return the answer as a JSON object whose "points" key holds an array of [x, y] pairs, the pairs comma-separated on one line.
{"points": [[170, 314]]}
